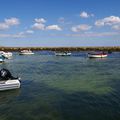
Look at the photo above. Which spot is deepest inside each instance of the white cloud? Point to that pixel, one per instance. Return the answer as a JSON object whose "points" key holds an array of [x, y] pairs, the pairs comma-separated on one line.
{"points": [[82, 27], [12, 21], [40, 20], [19, 35], [97, 34], [85, 15], [102, 34], [116, 27], [99, 23], [89, 34], [8, 23], [3, 26], [30, 31], [53, 27], [111, 20], [4, 35], [38, 26]]}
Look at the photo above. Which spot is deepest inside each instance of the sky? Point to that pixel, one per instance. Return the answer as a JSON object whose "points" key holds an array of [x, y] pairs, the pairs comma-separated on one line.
{"points": [[59, 23]]}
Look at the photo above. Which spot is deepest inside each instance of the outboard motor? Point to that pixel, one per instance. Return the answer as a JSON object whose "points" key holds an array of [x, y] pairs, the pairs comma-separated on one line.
{"points": [[5, 74]]}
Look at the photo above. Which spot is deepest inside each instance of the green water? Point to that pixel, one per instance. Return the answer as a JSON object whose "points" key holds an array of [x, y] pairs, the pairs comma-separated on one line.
{"points": [[63, 88]]}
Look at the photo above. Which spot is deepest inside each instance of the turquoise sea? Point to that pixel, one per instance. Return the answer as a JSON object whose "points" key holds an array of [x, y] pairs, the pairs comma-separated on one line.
{"points": [[63, 88]]}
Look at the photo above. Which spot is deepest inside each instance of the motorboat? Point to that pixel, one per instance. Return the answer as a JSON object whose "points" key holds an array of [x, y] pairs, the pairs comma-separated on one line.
{"points": [[7, 55], [7, 81], [26, 52], [2, 58], [97, 55], [62, 53]]}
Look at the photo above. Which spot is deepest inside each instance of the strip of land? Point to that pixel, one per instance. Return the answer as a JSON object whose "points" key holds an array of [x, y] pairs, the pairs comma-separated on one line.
{"points": [[111, 49]]}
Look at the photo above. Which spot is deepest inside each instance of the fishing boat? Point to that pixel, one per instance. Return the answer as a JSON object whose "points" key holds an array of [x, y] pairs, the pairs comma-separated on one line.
{"points": [[26, 52], [62, 53], [7, 81], [7, 55], [97, 55], [2, 58]]}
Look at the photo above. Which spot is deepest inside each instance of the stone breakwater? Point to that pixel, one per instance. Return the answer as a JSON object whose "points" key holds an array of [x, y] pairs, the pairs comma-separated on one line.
{"points": [[61, 48]]}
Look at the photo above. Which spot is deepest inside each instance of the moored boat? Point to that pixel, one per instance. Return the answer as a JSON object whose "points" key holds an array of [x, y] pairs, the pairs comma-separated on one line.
{"points": [[7, 55], [7, 81], [26, 52], [62, 53], [2, 58], [97, 55]]}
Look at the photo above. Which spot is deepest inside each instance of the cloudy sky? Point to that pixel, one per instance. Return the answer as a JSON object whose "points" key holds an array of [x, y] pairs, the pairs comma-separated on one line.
{"points": [[59, 23]]}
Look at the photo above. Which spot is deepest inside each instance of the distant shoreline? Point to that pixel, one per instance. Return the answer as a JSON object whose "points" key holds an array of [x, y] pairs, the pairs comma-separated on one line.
{"points": [[111, 49]]}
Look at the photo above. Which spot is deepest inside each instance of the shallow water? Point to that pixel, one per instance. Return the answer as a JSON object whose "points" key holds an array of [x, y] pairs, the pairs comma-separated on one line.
{"points": [[63, 88]]}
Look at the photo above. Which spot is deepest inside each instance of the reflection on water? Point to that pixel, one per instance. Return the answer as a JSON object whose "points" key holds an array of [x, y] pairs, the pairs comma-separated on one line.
{"points": [[63, 88], [5, 96]]}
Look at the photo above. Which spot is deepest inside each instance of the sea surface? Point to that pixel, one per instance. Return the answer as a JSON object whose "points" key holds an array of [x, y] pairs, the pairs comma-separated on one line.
{"points": [[62, 88]]}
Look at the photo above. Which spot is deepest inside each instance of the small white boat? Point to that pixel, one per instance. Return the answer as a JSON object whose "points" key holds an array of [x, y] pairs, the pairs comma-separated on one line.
{"points": [[7, 55], [26, 52], [97, 55], [62, 53], [9, 84], [7, 81], [2, 58]]}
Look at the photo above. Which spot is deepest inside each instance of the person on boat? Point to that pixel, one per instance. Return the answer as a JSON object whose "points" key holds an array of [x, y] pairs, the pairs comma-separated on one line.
{"points": [[6, 75]]}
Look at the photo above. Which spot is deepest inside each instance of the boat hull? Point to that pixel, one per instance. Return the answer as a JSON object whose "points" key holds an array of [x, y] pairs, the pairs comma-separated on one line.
{"points": [[1, 60], [97, 56], [62, 54], [9, 85], [26, 53]]}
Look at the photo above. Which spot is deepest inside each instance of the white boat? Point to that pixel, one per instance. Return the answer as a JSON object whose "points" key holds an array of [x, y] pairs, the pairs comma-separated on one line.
{"points": [[2, 58], [7, 55], [97, 55], [7, 81], [9, 84], [26, 52], [62, 53]]}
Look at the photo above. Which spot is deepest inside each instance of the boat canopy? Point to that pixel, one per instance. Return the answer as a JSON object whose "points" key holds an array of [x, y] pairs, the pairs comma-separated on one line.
{"points": [[5, 74]]}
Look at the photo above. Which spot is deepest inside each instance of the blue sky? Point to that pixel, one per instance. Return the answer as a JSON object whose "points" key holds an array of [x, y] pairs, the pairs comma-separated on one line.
{"points": [[59, 23]]}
